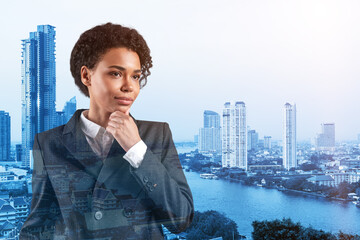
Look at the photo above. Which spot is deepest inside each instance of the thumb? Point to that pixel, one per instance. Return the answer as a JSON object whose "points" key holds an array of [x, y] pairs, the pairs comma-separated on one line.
{"points": [[127, 111]]}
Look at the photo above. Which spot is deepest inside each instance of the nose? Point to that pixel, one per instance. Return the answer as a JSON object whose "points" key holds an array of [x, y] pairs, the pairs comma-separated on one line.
{"points": [[127, 85]]}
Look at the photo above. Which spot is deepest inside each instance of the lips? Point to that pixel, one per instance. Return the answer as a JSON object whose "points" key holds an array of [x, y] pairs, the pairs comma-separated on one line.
{"points": [[124, 100]]}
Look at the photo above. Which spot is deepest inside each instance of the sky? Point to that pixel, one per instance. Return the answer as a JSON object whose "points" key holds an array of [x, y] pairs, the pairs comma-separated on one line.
{"points": [[207, 52]]}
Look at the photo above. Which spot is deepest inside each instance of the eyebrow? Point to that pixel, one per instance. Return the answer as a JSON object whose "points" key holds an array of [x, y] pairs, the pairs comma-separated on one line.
{"points": [[123, 69]]}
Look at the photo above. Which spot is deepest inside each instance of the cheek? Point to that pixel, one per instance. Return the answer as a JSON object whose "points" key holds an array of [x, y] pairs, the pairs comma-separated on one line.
{"points": [[102, 88]]}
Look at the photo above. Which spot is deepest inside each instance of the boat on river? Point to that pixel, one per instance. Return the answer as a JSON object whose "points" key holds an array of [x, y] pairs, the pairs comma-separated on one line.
{"points": [[208, 176]]}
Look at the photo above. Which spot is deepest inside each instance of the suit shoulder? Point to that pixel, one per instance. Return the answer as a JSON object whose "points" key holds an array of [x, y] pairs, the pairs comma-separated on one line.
{"points": [[52, 133], [145, 123], [153, 128]]}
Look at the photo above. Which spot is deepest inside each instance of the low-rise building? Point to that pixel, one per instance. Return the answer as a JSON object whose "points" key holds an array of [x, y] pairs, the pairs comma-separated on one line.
{"points": [[7, 212], [324, 180], [349, 177]]}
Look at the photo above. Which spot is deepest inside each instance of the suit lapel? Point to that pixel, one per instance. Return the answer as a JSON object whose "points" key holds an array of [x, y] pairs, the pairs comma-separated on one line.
{"points": [[76, 143], [114, 161], [112, 164]]}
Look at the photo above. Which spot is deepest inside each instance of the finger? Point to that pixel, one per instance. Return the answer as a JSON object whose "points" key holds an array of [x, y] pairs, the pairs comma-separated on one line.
{"points": [[116, 119], [113, 124], [110, 129]]}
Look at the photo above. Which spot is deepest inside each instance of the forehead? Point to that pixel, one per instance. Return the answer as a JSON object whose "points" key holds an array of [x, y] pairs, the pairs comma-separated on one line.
{"points": [[121, 56]]}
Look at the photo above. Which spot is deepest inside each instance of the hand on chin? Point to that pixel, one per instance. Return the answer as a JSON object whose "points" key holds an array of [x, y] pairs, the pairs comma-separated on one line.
{"points": [[124, 129]]}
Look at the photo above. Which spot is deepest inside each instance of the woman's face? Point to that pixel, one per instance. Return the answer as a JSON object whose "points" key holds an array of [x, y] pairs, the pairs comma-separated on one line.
{"points": [[114, 82]]}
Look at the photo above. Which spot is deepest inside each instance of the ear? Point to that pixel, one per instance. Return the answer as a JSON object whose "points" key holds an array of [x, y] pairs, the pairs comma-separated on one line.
{"points": [[85, 76]]}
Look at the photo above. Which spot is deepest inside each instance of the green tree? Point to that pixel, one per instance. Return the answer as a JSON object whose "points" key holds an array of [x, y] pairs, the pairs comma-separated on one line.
{"points": [[294, 183], [308, 167], [343, 236], [211, 224], [344, 189], [275, 230], [285, 229]]}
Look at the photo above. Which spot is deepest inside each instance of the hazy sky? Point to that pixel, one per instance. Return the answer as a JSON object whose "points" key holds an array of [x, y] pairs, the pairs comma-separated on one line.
{"points": [[206, 52]]}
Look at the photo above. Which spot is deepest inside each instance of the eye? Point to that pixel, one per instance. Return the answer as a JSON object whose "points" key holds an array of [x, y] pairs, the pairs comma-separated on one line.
{"points": [[116, 74], [136, 77]]}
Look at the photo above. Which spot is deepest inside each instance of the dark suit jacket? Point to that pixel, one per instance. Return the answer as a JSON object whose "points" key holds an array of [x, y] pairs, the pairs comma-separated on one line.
{"points": [[76, 195]]}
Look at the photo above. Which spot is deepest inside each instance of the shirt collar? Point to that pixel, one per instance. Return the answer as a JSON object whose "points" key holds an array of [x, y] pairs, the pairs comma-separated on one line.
{"points": [[90, 128]]}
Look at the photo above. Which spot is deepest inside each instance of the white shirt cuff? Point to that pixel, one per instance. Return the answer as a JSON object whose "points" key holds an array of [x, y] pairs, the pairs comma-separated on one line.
{"points": [[136, 154]]}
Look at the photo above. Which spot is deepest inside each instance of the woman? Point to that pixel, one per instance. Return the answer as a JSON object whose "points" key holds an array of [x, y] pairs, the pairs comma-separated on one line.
{"points": [[106, 175]]}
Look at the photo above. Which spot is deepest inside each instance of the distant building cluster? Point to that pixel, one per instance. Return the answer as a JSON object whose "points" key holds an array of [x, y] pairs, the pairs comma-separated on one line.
{"points": [[237, 138], [13, 213]]}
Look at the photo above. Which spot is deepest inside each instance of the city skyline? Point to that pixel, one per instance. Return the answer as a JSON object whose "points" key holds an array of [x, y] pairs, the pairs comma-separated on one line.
{"points": [[297, 51]]}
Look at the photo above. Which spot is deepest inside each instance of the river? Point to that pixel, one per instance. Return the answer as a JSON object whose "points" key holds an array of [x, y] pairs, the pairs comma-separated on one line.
{"points": [[244, 204]]}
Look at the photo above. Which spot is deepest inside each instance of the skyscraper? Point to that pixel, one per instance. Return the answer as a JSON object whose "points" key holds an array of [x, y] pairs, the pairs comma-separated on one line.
{"points": [[326, 139], [4, 136], [62, 117], [69, 108], [252, 139], [38, 82], [209, 135], [289, 137], [267, 142], [18, 150], [234, 147], [211, 119]]}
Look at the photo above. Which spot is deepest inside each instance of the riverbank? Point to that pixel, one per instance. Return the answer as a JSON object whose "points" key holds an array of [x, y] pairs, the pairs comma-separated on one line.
{"points": [[306, 193], [315, 195]]}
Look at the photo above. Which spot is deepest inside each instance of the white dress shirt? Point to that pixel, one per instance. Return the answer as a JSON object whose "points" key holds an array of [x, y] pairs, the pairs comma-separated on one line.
{"points": [[101, 140]]}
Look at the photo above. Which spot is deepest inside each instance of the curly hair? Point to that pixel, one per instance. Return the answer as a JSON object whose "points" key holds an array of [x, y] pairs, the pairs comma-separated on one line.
{"points": [[95, 42]]}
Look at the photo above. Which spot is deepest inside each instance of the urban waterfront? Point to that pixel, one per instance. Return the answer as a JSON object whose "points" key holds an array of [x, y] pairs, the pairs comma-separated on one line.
{"points": [[244, 204]]}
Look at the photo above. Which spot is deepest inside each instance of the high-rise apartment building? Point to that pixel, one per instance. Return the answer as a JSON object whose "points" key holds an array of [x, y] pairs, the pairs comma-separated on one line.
{"points": [[62, 117], [252, 140], [209, 135], [69, 108], [267, 142], [234, 134], [38, 82], [326, 139], [5, 136], [289, 137], [18, 150], [211, 119]]}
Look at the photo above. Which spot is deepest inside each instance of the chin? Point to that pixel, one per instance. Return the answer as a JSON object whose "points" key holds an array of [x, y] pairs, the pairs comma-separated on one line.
{"points": [[122, 109]]}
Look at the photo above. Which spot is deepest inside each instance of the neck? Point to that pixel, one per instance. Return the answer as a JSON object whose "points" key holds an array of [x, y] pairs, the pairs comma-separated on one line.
{"points": [[98, 116]]}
